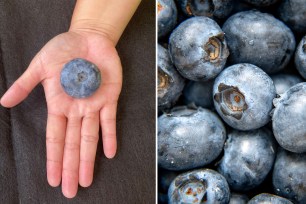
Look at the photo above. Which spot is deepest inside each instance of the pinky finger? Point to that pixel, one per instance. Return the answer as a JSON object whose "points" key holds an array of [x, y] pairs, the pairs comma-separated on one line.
{"points": [[108, 124]]}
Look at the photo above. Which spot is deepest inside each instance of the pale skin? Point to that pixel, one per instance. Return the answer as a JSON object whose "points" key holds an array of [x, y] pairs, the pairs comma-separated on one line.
{"points": [[72, 131]]}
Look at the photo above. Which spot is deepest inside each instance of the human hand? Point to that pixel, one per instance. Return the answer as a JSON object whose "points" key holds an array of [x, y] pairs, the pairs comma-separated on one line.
{"points": [[73, 124]]}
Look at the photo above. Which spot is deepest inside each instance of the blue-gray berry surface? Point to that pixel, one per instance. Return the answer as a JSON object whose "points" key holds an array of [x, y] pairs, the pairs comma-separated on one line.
{"points": [[260, 39], [199, 186], [170, 82], [218, 9], [237, 198], [266, 198], [289, 176], [189, 138], [289, 119], [261, 2], [244, 75], [199, 93], [293, 13], [243, 96], [300, 57], [248, 158], [165, 178], [166, 16], [283, 82], [198, 49], [80, 78]]}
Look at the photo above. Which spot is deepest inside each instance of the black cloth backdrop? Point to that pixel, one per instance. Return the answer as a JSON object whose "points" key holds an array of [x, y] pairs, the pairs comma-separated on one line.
{"points": [[25, 26]]}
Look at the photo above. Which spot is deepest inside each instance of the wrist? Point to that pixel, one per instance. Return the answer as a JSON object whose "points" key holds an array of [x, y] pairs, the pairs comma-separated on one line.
{"points": [[104, 17], [91, 26]]}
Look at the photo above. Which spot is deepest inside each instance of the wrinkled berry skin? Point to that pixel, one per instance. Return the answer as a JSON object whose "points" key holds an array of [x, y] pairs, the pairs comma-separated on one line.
{"points": [[300, 57], [80, 78], [289, 119], [199, 93], [166, 16], [189, 138], [292, 12], [218, 9], [269, 199], [199, 186], [260, 39], [289, 176], [238, 199], [262, 3], [283, 82], [198, 49], [248, 158], [170, 82], [243, 96]]}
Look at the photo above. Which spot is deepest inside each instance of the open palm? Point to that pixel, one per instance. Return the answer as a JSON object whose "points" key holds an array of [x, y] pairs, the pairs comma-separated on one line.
{"points": [[73, 124]]}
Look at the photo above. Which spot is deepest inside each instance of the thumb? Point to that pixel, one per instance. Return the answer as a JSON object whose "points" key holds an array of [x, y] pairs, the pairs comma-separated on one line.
{"points": [[22, 87]]}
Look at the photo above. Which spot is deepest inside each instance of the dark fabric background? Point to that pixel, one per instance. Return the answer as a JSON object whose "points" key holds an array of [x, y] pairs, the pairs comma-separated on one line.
{"points": [[25, 26]]}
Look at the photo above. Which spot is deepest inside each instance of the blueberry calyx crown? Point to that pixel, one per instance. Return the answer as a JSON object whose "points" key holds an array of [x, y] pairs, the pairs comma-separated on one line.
{"points": [[159, 7], [215, 48], [192, 190], [231, 100], [163, 82], [206, 6]]}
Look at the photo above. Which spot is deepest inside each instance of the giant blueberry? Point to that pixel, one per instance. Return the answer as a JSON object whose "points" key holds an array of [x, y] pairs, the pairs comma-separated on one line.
{"points": [[189, 138], [300, 57], [248, 158], [289, 119], [170, 82], [293, 13], [266, 198], [260, 39], [198, 48], [166, 16], [218, 9], [289, 176], [80, 78], [199, 186], [243, 96], [283, 82]]}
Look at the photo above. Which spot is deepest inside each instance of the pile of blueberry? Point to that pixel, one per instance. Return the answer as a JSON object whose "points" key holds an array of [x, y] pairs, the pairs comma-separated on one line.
{"points": [[232, 101]]}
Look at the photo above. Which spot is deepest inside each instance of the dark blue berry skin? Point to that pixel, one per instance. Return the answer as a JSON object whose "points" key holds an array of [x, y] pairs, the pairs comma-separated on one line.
{"points": [[300, 57], [243, 96], [189, 138], [199, 186], [80, 78], [238, 199], [289, 176], [198, 49], [261, 2], [260, 39], [248, 158], [165, 178], [283, 82], [170, 82], [266, 198], [289, 119], [218, 9], [166, 17], [199, 93], [292, 12]]}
